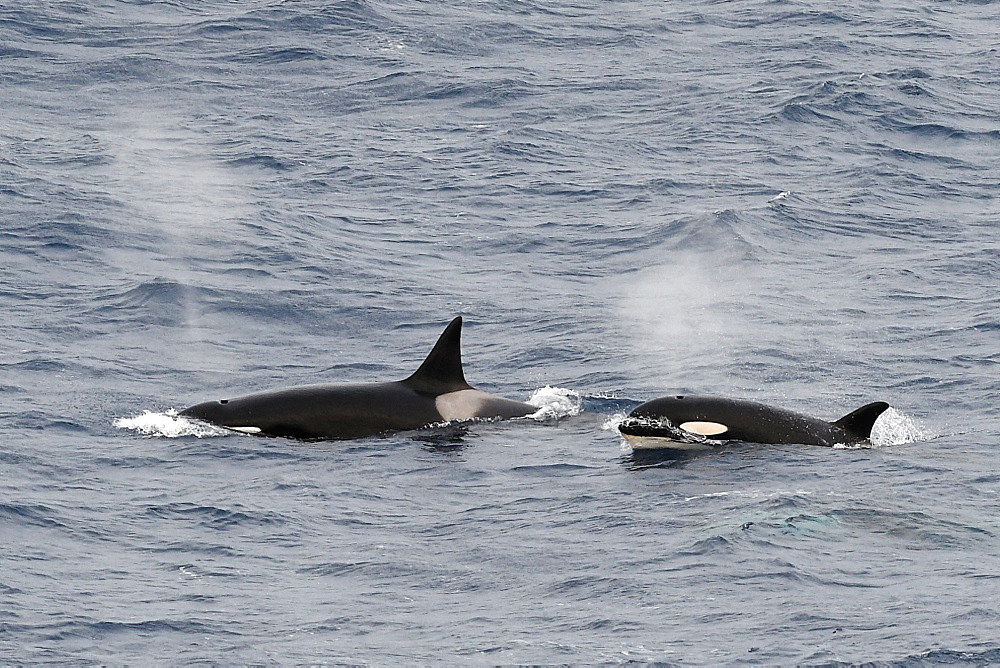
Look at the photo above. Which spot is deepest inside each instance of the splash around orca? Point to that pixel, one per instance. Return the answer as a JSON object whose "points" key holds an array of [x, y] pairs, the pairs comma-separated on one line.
{"points": [[697, 422], [437, 392]]}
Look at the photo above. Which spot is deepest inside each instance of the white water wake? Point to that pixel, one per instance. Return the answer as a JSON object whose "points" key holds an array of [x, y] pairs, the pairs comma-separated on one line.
{"points": [[168, 425]]}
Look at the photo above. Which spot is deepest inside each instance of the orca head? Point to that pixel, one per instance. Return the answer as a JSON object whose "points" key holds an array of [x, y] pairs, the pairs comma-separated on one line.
{"points": [[235, 414], [216, 412], [673, 418], [663, 428]]}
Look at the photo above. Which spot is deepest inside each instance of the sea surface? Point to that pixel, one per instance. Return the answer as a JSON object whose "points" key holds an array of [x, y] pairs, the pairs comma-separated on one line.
{"points": [[792, 202]]}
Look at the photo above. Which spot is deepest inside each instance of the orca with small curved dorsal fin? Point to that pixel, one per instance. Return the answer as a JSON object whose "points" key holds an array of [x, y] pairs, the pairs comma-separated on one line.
{"points": [[436, 392], [692, 422]]}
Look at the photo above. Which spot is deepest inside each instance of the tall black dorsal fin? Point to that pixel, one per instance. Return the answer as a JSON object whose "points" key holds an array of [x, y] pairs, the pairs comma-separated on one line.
{"points": [[442, 370], [859, 423]]}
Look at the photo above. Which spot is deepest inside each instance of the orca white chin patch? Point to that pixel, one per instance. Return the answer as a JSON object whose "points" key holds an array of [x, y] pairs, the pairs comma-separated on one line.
{"points": [[246, 430], [705, 428], [662, 443]]}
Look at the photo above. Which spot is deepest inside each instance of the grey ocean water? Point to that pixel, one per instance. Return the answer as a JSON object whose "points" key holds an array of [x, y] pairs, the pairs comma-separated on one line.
{"points": [[783, 201]]}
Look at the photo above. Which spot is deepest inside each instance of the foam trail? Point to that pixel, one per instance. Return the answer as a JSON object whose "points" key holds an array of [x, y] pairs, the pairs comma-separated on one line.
{"points": [[896, 428], [893, 427], [168, 425], [554, 403], [611, 424]]}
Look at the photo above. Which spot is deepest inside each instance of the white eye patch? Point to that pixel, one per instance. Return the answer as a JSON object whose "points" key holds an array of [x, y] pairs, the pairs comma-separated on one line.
{"points": [[705, 428]]}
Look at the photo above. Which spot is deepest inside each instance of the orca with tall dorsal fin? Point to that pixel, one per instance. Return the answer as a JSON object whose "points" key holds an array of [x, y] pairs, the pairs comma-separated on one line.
{"points": [[693, 422], [436, 392]]}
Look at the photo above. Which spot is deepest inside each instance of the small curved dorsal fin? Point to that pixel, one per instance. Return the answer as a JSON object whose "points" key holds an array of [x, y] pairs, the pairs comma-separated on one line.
{"points": [[859, 423], [442, 370]]}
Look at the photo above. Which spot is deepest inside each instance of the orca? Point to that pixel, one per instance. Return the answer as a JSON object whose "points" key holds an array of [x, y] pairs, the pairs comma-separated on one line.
{"points": [[697, 422], [436, 393]]}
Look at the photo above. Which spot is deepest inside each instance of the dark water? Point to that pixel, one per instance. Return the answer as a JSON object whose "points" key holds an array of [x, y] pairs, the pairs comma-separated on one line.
{"points": [[787, 202]]}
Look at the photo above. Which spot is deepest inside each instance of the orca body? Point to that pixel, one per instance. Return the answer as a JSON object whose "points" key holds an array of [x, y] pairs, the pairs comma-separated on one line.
{"points": [[437, 392], [695, 422]]}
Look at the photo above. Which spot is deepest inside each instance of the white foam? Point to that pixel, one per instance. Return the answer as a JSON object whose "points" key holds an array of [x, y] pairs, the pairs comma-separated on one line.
{"points": [[894, 428], [554, 403], [611, 424], [168, 425]]}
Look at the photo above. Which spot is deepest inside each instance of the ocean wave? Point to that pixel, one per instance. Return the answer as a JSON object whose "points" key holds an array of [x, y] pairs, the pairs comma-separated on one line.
{"points": [[214, 517], [204, 197]]}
